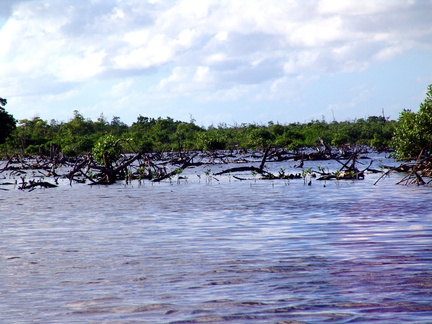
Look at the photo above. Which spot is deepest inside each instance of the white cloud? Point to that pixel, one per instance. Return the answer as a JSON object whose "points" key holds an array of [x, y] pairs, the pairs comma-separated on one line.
{"points": [[389, 52], [157, 50], [122, 88], [208, 50], [74, 68], [354, 8]]}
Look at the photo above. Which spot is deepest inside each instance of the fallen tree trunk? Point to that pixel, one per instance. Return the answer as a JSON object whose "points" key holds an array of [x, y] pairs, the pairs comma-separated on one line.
{"points": [[179, 170], [243, 169], [42, 184], [415, 170]]}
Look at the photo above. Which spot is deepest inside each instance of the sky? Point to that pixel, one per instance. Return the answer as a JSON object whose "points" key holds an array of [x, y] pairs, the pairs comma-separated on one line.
{"points": [[215, 62]]}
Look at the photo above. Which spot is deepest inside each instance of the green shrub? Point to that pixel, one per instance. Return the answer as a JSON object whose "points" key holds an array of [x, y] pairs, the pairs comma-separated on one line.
{"points": [[413, 133], [107, 150]]}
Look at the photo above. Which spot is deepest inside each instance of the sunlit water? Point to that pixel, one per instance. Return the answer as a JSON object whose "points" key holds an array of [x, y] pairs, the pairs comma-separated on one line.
{"points": [[202, 250]]}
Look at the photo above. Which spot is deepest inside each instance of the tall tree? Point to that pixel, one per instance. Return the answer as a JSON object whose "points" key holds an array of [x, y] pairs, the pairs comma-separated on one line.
{"points": [[7, 122], [413, 134]]}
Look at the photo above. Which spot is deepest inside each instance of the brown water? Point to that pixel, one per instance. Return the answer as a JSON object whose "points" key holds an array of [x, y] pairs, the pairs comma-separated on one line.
{"points": [[220, 251]]}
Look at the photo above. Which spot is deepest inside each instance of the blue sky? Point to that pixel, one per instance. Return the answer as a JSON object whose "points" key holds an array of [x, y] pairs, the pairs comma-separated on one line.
{"points": [[236, 61]]}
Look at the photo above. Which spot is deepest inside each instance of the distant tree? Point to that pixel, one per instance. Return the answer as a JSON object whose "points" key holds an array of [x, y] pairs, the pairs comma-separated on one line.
{"points": [[33, 134], [117, 126], [76, 136], [7, 122], [260, 137], [211, 140]]}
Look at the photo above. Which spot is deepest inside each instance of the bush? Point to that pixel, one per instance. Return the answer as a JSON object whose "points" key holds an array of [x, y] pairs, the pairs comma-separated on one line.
{"points": [[107, 150], [413, 134], [212, 140], [7, 122]]}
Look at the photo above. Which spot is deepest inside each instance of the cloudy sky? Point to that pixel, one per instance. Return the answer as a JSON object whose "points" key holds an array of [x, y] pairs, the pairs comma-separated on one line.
{"points": [[226, 61]]}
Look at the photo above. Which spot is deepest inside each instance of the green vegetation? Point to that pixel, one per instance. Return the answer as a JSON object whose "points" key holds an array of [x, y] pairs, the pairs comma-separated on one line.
{"points": [[81, 135], [410, 136], [7, 122], [107, 150], [413, 136], [102, 146]]}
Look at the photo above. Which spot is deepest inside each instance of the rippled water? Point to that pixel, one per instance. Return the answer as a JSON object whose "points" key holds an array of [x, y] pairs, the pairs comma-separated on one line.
{"points": [[220, 251]]}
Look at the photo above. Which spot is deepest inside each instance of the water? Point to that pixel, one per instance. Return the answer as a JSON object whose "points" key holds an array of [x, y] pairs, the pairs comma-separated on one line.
{"points": [[217, 251]]}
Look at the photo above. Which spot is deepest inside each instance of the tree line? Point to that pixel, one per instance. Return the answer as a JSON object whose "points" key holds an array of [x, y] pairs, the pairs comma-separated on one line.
{"points": [[79, 135], [409, 136]]}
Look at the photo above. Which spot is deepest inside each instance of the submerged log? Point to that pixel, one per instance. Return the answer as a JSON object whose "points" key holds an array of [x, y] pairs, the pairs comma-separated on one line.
{"points": [[42, 184], [166, 175], [159, 166], [253, 169], [243, 169]]}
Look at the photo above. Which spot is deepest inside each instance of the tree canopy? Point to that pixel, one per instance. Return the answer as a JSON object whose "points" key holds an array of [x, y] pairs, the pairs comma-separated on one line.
{"points": [[413, 135], [7, 122], [80, 135]]}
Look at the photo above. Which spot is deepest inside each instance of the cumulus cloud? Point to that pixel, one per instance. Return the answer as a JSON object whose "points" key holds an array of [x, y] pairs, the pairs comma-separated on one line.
{"points": [[199, 48]]}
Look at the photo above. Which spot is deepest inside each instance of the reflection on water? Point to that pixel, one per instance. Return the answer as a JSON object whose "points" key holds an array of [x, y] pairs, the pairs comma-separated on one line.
{"points": [[226, 251]]}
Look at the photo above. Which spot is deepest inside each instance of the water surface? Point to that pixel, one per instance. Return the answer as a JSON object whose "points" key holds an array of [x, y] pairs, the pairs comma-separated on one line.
{"points": [[214, 251]]}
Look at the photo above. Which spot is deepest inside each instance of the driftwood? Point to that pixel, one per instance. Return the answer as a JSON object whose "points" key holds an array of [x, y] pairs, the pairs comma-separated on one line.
{"points": [[42, 184], [159, 166], [259, 170], [185, 165], [243, 169], [416, 170]]}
